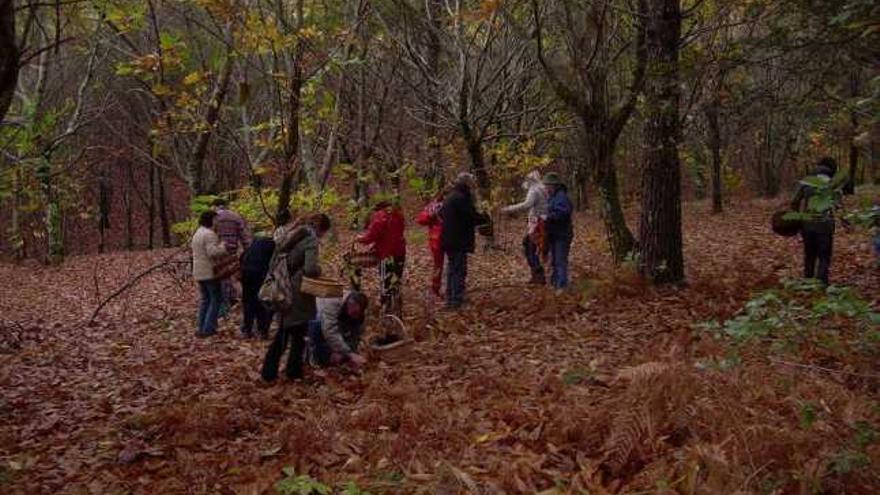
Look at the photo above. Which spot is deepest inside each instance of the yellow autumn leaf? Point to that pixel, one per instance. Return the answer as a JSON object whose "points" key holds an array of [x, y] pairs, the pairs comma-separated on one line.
{"points": [[192, 78]]}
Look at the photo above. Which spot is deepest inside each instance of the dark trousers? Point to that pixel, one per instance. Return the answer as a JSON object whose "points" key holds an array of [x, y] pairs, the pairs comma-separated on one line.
{"points": [[296, 336], [209, 307], [320, 350], [817, 248], [456, 277], [533, 258], [391, 274], [559, 249], [252, 307]]}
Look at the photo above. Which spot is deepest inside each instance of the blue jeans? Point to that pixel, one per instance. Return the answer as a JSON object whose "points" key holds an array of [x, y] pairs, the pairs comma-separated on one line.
{"points": [[456, 276], [209, 308], [559, 249]]}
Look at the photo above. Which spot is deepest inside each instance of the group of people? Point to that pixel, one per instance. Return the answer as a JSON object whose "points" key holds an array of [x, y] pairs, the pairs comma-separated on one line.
{"points": [[328, 331]]}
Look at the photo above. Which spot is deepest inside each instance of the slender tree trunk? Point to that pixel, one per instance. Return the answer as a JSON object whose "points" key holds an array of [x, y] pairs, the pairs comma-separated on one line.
{"points": [[601, 163], [16, 236], [850, 187], [291, 164], [9, 56], [54, 230], [478, 167], [435, 173], [660, 225], [714, 128], [104, 205], [128, 200], [164, 223], [196, 166], [152, 207]]}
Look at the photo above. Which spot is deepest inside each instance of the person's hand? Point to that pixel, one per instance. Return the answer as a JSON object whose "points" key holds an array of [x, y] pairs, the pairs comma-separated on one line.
{"points": [[357, 360]]}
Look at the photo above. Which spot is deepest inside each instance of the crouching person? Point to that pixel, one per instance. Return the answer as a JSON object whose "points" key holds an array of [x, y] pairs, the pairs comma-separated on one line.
{"points": [[335, 336]]}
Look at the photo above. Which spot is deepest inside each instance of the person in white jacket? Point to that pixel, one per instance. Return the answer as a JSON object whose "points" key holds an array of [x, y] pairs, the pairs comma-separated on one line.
{"points": [[206, 247], [534, 245]]}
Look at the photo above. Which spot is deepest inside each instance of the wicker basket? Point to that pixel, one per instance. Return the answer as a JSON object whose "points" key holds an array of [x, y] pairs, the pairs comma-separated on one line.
{"points": [[784, 226], [391, 352], [322, 287], [394, 352]]}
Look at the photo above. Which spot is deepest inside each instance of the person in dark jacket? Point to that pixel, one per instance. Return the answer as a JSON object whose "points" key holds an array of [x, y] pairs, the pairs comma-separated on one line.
{"points": [[254, 267], [460, 218], [302, 261], [818, 231], [559, 229]]}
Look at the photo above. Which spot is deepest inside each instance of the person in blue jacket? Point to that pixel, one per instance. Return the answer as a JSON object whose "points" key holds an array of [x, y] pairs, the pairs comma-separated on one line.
{"points": [[559, 229]]}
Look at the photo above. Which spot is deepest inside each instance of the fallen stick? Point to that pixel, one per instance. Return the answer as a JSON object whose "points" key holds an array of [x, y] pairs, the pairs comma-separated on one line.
{"points": [[132, 282]]}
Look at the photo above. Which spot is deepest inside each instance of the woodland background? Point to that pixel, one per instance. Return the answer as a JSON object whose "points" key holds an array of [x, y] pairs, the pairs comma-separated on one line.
{"points": [[680, 128], [116, 114]]}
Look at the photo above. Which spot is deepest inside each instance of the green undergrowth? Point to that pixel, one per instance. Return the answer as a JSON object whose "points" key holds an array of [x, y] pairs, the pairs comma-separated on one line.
{"points": [[804, 318]]}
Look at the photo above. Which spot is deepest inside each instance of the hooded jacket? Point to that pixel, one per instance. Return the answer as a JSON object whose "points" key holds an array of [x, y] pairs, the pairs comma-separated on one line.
{"points": [[535, 202]]}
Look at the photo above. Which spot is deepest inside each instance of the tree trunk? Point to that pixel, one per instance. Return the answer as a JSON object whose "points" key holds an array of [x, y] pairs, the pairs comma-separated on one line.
{"points": [[714, 128], [660, 226], [54, 231], [9, 56], [16, 237], [291, 149], [104, 205], [600, 162], [478, 167], [195, 168], [128, 200], [164, 224], [850, 186], [152, 207]]}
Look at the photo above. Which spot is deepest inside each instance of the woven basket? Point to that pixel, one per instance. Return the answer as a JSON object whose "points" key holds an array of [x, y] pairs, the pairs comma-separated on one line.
{"points": [[322, 287], [362, 259], [396, 351], [785, 227]]}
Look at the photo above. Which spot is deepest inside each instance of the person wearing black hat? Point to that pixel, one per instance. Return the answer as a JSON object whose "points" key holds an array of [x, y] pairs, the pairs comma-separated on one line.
{"points": [[559, 228], [817, 231]]}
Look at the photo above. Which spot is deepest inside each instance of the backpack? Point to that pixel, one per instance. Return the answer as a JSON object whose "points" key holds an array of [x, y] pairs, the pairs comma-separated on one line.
{"points": [[277, 290]]}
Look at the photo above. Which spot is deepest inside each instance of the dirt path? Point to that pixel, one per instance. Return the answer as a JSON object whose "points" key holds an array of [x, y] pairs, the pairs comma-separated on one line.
{"points": [[498, 398]]}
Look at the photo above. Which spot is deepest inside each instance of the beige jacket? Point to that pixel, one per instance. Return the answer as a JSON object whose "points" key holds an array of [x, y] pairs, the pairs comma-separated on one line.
{"points": [[206, 246]]}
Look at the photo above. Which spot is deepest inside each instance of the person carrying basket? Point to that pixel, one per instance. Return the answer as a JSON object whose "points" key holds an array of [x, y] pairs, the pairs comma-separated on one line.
{"points": [[385, 233]]}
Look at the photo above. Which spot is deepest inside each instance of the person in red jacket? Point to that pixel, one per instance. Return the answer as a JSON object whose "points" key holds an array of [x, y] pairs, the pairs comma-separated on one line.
{"points": [[430, 217], [385, 233]]}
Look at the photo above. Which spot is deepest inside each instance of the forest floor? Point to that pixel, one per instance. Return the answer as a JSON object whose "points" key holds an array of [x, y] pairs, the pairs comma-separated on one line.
{"points": [[610, 388]]}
